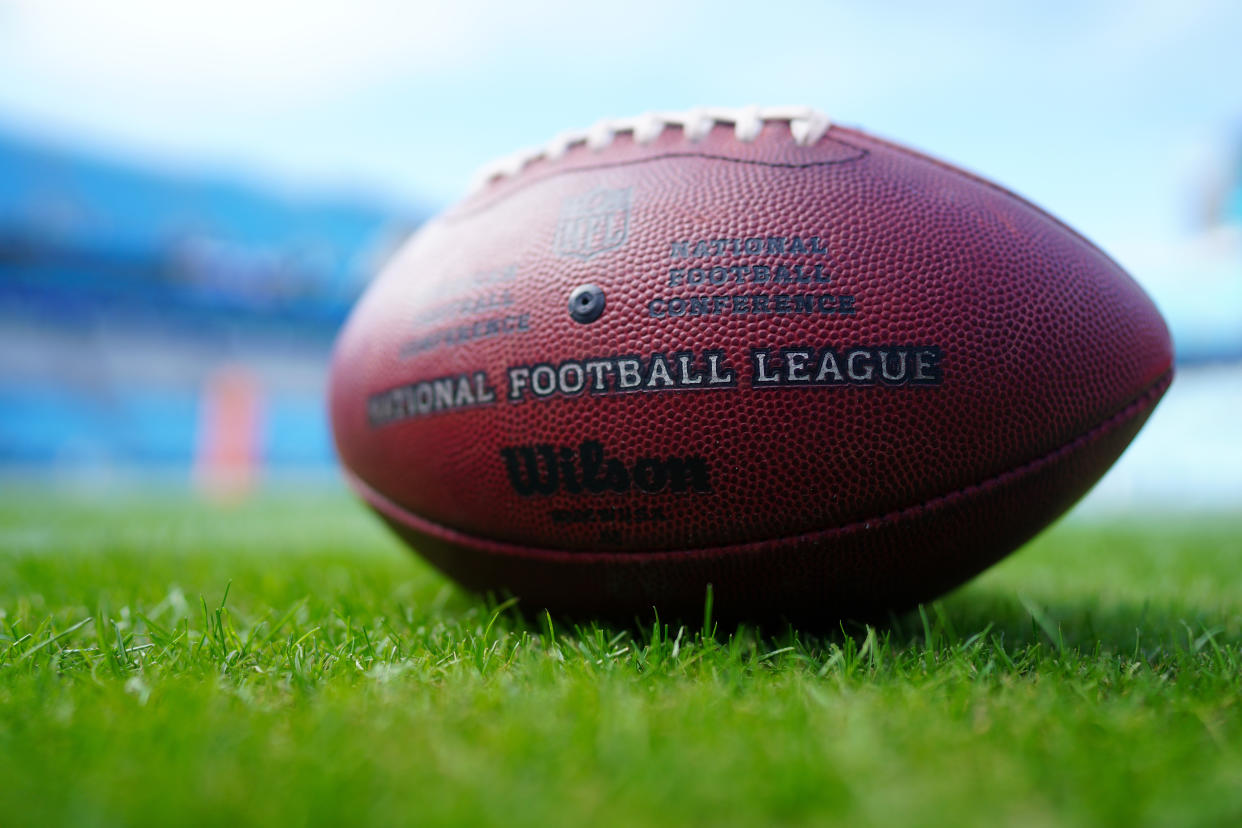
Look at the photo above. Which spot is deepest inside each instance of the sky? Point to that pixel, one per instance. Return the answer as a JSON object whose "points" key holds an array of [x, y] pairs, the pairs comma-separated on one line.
{"points": [[1114, 115]]}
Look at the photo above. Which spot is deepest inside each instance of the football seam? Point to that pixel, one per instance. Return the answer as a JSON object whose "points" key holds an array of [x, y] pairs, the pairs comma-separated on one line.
{"points": [[976, 178], [519, 185], [1143, 401]]}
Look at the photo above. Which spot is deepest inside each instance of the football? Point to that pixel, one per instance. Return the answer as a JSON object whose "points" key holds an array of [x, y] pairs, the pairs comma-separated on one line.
{"points": [[822, 373]]}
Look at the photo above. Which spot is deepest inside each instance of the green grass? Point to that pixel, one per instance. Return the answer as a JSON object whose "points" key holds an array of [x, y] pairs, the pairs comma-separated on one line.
{"points": [[1092, 679]]}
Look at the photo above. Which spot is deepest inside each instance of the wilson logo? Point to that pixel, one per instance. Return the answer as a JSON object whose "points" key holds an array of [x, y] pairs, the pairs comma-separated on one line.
{"points": [[546, 469]]}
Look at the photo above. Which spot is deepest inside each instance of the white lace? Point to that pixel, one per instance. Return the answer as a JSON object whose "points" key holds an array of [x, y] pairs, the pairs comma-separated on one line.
{"points": [[806, 126]]}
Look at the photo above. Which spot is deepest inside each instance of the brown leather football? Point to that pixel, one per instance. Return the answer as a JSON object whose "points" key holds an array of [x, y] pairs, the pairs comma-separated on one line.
{"points": [[819, 371]]}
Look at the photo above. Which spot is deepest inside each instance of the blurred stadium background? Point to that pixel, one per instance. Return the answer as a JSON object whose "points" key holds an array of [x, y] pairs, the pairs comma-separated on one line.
{"points": [[193, 194]]}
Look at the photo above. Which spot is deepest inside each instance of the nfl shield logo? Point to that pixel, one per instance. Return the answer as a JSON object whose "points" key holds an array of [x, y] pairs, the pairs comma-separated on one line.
{"points": [[593, 223]]}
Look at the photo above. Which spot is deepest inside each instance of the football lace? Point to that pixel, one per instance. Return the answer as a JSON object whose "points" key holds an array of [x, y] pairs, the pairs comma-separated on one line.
{"points": [[806, 126]]}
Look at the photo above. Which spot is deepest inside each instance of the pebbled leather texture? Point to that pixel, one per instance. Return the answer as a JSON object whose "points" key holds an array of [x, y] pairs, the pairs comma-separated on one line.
{"points": [[1040, 360]]}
